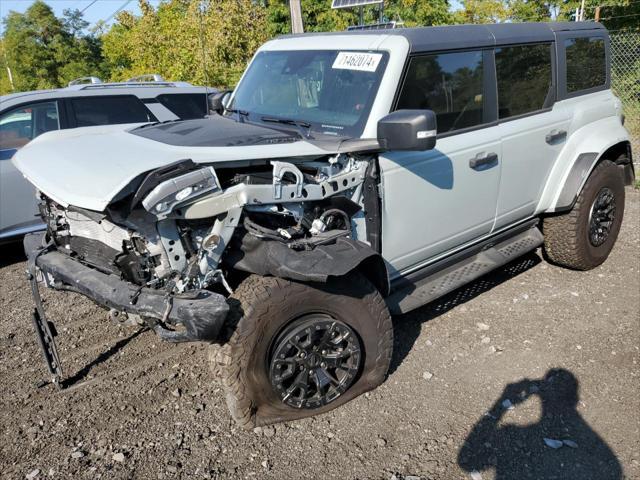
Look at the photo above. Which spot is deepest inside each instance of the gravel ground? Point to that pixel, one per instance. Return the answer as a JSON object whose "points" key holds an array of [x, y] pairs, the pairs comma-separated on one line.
{"points": [[479, 380]]}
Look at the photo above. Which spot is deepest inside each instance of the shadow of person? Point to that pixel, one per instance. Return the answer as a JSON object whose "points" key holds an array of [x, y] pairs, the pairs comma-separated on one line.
{"points": [[521, 451]]}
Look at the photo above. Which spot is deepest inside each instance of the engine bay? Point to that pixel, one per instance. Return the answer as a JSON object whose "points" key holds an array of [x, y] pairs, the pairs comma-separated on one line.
{"points": [[189, 226]]}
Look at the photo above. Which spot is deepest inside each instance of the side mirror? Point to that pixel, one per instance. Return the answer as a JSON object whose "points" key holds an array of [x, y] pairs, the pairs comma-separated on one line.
{"points": [[218, 101], [408, 130]]}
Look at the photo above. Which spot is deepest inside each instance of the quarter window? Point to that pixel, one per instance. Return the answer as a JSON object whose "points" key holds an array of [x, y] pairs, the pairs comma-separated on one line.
{"points": [[110, 110], [586, 65], [524, 78], [450, 84], [19, 126]]}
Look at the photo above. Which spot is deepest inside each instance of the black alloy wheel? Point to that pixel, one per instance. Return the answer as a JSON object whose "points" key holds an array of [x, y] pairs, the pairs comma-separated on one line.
{"points": [[314, 361]]}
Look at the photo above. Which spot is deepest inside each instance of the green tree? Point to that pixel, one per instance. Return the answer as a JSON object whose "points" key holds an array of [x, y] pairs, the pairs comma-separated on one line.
{"points": [[204, 42], [318, 16], [44, 51]]}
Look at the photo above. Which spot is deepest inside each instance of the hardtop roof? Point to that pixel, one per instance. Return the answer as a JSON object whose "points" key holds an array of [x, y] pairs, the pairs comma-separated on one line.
{"points": [[464, 36]]}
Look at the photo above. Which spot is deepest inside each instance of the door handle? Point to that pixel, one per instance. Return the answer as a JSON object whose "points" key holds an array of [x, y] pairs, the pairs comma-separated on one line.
{"points": [[482, 159], [555, 135]]}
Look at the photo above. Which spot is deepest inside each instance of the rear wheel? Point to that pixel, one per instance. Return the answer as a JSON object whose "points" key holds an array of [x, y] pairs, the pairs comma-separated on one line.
{"points": [[295, 350], [583, 238]]}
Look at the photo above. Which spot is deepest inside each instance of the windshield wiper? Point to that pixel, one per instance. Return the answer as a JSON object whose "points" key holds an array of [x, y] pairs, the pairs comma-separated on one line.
{"points": [[242, 114], [301, 125]]}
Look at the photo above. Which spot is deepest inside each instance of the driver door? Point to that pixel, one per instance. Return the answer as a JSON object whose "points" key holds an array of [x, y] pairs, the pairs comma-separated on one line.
{"points": [[437, 200]]}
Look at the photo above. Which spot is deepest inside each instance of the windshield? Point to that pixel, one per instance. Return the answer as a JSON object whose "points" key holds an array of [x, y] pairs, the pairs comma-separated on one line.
{"points": [[330, 90]]}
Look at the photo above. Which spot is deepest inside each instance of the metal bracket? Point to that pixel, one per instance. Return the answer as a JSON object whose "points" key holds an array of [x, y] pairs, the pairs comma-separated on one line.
{"points": [[279, 171], [45, 332]]}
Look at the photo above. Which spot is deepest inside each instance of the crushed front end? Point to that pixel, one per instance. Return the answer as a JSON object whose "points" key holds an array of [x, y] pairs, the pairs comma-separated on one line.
{"points": [[169, 250]]}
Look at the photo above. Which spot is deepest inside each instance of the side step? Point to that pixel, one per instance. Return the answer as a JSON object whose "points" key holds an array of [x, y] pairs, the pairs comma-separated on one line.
{"points": [[414, 294]]}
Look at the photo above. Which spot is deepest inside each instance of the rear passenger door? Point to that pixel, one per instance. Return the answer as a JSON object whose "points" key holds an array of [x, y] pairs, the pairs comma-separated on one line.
{"points": [[440, 199], [533, 127]]}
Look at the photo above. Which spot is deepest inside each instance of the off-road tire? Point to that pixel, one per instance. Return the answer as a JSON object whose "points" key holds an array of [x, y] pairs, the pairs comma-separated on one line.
{"points": [[263, 307], [566, 237]]}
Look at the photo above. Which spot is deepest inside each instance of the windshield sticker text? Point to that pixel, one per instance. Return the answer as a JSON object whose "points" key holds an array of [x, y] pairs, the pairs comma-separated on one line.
{"points": [[364, 62]]}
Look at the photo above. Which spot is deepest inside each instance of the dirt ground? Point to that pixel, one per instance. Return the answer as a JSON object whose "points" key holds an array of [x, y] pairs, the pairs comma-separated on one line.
{"points": [[479, 380]]}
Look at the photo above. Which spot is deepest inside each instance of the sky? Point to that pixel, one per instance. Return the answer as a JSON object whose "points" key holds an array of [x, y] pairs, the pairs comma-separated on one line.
{"points": [[95, 11]]}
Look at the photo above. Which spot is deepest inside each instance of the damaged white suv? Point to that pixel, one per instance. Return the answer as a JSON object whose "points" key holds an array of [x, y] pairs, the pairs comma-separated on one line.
{"points": [[350, 175]]}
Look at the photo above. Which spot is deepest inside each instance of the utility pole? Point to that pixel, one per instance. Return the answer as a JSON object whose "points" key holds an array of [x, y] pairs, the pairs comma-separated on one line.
{"points": [[582, 11], [296, 16], [597, 14], [6, 62]]}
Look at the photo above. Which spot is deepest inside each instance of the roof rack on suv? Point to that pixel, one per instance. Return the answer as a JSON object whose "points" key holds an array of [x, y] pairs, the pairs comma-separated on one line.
{"points": [[84, 80], [148, 77], [376, 26]]}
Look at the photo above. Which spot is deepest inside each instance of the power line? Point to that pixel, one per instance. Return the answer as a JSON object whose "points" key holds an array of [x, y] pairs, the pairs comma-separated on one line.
{"points": [[127, 2], [85, 8]]}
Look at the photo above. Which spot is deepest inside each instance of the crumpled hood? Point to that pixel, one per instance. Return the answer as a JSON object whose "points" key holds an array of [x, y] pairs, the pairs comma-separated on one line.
{"points": [[88, 167]]}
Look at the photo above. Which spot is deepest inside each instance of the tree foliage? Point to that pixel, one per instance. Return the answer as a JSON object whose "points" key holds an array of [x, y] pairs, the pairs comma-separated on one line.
{"points": [[211, 41], [204, 42], [44, 51]]}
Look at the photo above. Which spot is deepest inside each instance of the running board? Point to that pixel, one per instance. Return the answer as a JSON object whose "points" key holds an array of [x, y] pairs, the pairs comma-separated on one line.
{"points": [[422, 291]]}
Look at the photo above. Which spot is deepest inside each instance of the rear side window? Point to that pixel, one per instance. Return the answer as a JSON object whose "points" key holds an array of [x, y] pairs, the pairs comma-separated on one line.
{"points": [[524, 78], [109, 110], [22, 124], [186, 106], [586, 64], [450, 84]]}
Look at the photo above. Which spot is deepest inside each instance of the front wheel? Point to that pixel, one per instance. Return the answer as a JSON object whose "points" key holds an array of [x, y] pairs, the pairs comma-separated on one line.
{"points": [[297, 350], [583, 238]]}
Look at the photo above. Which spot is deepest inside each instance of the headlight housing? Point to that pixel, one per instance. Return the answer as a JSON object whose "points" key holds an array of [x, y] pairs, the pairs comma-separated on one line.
{"points": [[164, 197]]}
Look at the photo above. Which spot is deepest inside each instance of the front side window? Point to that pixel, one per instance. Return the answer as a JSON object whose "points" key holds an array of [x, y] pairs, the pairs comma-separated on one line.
{"points": [[450, 84], [185, 106], [586, 63], [330, 90], [524, 78], [110, 110], [22, 124]]}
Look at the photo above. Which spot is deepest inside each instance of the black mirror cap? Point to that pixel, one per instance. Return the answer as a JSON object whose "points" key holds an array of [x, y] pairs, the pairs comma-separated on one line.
{"points": [[413, 130], [216, 101]]}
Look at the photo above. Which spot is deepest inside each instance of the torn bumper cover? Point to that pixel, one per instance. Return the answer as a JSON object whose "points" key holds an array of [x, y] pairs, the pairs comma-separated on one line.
{"points": [[201, 312]]}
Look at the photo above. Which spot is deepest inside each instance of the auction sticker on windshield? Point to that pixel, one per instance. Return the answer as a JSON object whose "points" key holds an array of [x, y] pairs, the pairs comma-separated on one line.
{"points": [[364, 62]]}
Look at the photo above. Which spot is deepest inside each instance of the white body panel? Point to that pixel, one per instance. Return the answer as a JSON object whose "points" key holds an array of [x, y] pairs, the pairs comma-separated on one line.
{"points": [[18, 204], [57, 163], [434, 201], [527, 160], [594, 127]]}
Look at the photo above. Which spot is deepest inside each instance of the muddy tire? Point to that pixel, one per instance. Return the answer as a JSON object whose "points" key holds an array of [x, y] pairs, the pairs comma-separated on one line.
{"points": [[583, 238], [295, 350]]}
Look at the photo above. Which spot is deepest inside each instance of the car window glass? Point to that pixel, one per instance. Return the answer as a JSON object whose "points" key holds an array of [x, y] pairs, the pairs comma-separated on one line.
{"points": [[586, 66], [450, 84], [331, 90], [185, 105], [110, 110], [22, 124], [524, 78]]}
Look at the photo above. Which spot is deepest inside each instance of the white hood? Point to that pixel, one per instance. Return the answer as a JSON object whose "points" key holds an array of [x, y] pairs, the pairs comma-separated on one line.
{"points": [[87, 167]]}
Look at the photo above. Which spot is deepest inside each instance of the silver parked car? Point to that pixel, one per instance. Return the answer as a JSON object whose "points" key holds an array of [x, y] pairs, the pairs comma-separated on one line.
{"points": [[85, 102], [348, 177]]}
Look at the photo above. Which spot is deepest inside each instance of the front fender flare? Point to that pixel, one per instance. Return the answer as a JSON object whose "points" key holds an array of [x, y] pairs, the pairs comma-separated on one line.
{"points": [[269, 257]]}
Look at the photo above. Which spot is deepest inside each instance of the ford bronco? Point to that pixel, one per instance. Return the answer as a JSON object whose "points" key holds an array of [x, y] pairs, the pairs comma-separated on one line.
{"points": [[349, 176]]}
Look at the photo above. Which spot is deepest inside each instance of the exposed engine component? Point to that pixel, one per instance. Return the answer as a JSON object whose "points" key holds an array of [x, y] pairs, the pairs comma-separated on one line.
{"points": [[175, 234]]}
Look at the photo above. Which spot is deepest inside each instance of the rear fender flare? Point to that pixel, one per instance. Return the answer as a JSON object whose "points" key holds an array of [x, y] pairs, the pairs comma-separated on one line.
{"points": [[584, 149]]}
